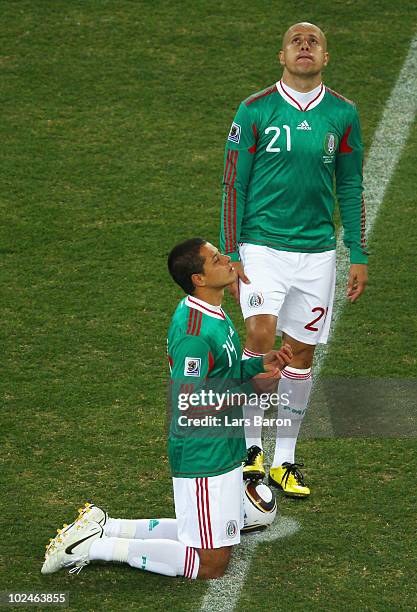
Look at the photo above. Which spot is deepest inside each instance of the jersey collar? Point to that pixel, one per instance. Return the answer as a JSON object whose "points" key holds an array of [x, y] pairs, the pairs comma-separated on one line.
{"points": [[282, 89], [212, 311]]}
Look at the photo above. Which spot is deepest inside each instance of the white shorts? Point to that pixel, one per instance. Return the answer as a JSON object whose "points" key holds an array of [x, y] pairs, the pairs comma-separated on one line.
{"points": [[209, 510], [298, 288]]}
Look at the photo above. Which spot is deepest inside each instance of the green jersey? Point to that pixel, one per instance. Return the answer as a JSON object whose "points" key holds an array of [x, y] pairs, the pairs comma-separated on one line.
{"points": [[204, 353], [280, 166]]}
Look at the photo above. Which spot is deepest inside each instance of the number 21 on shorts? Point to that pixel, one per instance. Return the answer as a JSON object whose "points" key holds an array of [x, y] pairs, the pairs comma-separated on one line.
{"points": [[319, 313]]}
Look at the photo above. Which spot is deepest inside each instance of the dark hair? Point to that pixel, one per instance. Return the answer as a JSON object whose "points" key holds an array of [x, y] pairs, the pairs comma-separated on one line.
{"points": [[184, 261]]}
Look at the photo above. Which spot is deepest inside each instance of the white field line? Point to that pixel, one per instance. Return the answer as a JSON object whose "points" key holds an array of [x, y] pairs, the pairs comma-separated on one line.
{"points": [[222, 595]]}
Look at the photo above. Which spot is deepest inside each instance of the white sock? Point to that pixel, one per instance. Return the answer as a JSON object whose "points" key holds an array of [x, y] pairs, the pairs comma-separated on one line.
{"points": [[166, 557], [102, 549], [296, 384], [253, 433], [142, 529]]}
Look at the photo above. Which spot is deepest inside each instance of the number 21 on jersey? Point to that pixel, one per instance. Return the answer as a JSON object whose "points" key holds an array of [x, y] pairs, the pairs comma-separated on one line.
{"points": [[277, 131]]}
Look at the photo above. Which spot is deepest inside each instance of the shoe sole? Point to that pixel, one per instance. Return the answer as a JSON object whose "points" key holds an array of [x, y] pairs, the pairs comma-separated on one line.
{"points": [[253, 475], [245, 530], [274, 483]]}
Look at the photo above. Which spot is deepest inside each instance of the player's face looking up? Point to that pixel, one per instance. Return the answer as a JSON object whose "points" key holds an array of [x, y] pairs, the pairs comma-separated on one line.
{"points": [[218, 269], [304, 50]]}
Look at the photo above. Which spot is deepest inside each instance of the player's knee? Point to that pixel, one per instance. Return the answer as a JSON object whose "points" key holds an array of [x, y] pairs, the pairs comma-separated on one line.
{"points": [[213, 570], [261, 335], [303, 357], [214, 563], [218, 572]]}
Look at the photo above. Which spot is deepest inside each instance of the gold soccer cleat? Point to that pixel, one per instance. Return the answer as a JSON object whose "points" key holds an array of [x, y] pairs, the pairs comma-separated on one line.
{"points": [[253, 467], [289, 478]]}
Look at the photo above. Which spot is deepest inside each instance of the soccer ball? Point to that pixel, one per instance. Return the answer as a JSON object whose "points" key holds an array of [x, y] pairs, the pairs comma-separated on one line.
{"points": [[259, 505]]}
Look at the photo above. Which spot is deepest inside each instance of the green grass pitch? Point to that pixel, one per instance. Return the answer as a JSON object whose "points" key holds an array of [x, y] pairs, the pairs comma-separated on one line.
{"points": [[114, 119]]}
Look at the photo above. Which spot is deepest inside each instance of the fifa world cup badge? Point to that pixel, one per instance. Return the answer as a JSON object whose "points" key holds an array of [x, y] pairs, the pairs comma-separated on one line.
{"points": [[234, 134], [192, 366]]}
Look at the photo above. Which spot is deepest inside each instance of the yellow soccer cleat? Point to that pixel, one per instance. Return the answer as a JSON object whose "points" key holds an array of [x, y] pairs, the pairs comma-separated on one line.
{"points": [[253, 467], [289, 478]]}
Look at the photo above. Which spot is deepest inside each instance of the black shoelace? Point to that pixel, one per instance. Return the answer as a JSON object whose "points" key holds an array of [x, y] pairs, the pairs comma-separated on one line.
{"points": [[253, 452], [292, 468]]}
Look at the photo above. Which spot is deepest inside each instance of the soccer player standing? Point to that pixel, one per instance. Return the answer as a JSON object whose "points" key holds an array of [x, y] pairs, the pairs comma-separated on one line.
{"points": [[206, 462], [286, 146]]}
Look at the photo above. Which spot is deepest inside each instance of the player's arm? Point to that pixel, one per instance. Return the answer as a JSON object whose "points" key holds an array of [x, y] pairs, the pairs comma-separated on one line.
{"points": [[349, 191], [191, 362], [251, 367], [238, 160]]}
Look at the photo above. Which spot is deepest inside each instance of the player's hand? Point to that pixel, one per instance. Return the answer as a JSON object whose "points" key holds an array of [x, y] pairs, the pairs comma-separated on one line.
{"points": [[275, 361], [358, 278], [240, 274]]}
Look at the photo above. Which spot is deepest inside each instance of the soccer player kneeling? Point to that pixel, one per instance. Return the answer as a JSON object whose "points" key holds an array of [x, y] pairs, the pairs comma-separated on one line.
{"points": [[206, 466]]}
